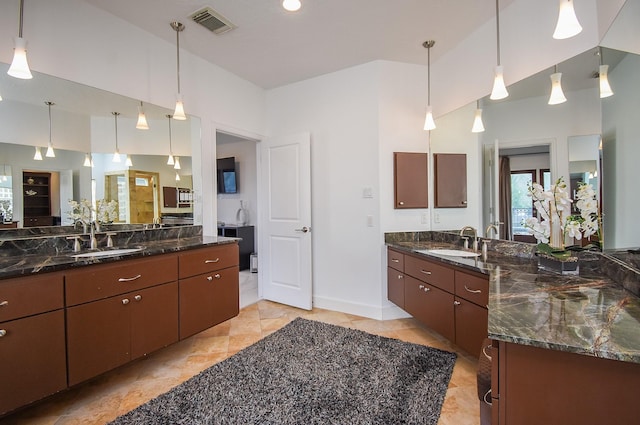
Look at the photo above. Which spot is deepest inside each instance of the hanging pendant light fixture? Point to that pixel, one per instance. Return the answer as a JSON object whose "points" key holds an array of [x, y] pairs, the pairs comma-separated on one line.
{"points": [[116, 154], [38, 155], [176, 166], [429, 123], [178, 114], [128, 161], [568, 24], [142, 119], [50, 152], [499, 90], [88, 162], [603, 71], [557, 95], [291, 5], [478, 126], [170, 160], [177, 177], [19, 66]]}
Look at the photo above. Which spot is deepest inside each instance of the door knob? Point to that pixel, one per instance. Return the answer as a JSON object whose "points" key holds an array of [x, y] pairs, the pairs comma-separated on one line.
{"points": [[304, 229]]}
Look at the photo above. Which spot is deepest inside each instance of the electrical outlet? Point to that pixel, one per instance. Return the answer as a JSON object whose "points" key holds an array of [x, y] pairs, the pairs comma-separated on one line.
{"points": [[424, 218], [367, 192]]}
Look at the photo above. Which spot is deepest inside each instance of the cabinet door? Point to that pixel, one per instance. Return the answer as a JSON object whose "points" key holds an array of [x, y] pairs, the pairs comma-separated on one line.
{"points": [[98, 337], [154, 318], [431, 272], [450, 180], [431, 306], [206, 260], [471, 325], [395, 287], [226, 294], [395, 260], [33, 359], [196, 304], [410, 180]]}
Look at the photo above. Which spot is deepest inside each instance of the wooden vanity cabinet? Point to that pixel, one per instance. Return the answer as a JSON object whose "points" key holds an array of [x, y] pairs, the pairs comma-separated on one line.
{"points": [[395, 277], [450, 180], [209, 287], [471, 316], [431, 306], [118, 312], [32, 339]]}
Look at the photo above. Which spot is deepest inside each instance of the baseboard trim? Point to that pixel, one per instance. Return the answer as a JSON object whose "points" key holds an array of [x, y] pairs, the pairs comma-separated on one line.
{"points": [[370, 311]]}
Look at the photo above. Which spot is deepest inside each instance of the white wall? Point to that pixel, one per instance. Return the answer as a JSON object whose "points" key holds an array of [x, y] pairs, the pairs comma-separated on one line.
{"points": [[621, 127], [246, 167]]}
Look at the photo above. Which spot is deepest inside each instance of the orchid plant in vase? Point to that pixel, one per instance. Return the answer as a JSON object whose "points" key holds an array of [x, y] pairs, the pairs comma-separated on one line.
{"points": [[81, 213], [106, 211], [555, 222]]}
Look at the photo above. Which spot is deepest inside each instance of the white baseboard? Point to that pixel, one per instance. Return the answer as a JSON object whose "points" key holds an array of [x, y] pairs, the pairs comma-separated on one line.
{"points": [[364, 310]]}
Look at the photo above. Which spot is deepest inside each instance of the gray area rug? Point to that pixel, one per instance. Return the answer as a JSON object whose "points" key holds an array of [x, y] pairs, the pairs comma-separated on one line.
{"points": [[310, 373]]}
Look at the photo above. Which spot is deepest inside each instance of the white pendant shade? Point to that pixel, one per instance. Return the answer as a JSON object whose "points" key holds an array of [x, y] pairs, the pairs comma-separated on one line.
{"points": [[557, 95], [178, 114], [116, 156], [568, 24], [170, 160], [38, 155], [429, 123], [177, 177], [499, 90], [128, 161], [605, 88], [87, 161], [50, 152], [19, 66], [176, 166], [291, 5], [478, 126], [142, 119]]}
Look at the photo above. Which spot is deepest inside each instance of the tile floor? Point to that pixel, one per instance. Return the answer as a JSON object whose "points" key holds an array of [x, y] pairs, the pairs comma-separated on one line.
{"points": [[118, 391]]}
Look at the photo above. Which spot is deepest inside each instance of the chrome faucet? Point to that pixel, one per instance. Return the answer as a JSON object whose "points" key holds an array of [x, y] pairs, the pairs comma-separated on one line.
{"points": [[94, 241], [489, 228], [475, 236]]}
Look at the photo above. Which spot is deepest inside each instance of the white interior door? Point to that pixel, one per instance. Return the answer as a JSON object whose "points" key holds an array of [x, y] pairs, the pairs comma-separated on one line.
{"points": [[285, 265]]}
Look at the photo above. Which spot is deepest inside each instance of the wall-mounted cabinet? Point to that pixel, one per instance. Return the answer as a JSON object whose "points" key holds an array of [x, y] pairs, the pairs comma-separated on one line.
{"points": [[450, 186], [36, 192], [410, 180]]}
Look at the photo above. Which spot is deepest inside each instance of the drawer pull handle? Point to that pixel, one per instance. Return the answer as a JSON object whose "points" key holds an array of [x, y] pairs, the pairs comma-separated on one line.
{"points": [[400, 276], [425, 272], [4, 303], [473, 291], [484, 351], [212, 261], [137, 297], [129, 279], [457, 303], [125, 301], [485, 397], [3, 332], [395, 260], [421, 286], [209, 278], [427, 289], [217, 275]]}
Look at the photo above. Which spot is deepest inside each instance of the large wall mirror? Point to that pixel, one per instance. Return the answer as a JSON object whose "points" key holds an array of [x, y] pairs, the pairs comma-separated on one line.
{"points": [[586, 138], [82, 130]]}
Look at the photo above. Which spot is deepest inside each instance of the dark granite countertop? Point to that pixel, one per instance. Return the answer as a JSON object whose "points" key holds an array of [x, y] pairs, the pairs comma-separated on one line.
{"points": [[589, 314], [27, 264]]}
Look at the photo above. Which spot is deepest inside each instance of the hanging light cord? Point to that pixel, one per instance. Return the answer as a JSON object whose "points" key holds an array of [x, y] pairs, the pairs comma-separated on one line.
{"points": [[429, 75], [49, 104], [178, 29], [115, 114], [498, 30], [21, 16]]}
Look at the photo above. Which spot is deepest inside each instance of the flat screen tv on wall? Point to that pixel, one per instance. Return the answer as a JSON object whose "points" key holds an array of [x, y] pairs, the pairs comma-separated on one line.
{"points": [[227, 177]]}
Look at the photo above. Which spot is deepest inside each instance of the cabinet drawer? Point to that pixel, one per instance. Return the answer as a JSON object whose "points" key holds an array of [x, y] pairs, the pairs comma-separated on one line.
{"points": [[472, 288], [431, 306], [26, 296], [205, 260], [395, 287], [103, 281], [395, 260], [430, 272]]}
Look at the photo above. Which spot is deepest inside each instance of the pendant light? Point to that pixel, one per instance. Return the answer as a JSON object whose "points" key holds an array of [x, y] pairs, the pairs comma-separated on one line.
{"points": [[170, 160], [499, 89], [128, 161], [557, 95], [38, 155], [605, 88], [429, 123], [88, 162], [19, 66], [142, 119], [116, 154], [478, 126], [291, 5], [177, 177], [568, 24], [178, 114], [176, 166], [50, 152]]}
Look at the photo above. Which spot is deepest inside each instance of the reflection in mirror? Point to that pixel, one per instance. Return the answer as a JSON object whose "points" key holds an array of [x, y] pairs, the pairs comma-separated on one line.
{"points": [[6, 198]]}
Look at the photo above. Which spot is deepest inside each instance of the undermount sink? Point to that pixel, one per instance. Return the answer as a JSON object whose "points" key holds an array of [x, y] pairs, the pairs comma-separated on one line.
{"points": [[450, 252], [108, 253]]}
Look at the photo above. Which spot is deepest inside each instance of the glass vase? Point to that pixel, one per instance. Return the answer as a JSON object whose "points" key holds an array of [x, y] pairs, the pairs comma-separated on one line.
{"points": [[242, 215]]}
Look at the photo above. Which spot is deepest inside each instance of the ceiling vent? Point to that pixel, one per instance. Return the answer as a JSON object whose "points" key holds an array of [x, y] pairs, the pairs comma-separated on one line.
{"points": [[212, 20]]}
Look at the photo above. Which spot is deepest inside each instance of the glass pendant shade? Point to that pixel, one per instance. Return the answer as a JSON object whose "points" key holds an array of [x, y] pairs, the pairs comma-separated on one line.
{"points": [[478, 126], [142, 119], [605, 88], [38, 155], [50, 152], [499, 89], [568, 24], [19, 66], [87, 161], [176, 166], [116, 156], [291, 5], [429, 123], [557, 95], [178, 114], [128, 161], [170, 160], [177, 177]]}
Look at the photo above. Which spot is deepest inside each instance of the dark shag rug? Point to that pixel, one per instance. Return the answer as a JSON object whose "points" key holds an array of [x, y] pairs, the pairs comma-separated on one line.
{"points": [[310, 372]]}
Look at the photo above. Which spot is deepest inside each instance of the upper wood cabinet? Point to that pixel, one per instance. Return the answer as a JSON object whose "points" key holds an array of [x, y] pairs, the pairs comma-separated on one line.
{"points": [[450, 171], [410, 180]]}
